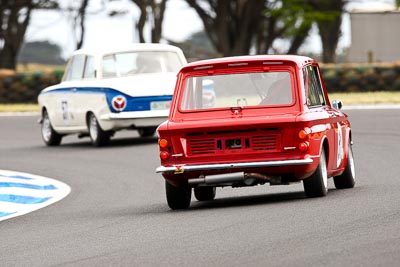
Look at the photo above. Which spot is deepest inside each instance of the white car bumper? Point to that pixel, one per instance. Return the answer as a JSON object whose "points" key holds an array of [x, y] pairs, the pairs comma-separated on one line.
{"points": [[150, 118], [136, 115]]}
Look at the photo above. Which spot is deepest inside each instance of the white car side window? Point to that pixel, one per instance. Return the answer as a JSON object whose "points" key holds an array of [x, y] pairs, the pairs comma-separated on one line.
{"points": [[109, 68], [76, 67], [89, 68]]}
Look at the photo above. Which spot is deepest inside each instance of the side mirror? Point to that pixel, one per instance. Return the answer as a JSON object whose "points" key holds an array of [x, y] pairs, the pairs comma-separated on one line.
{"points": [[337, 104]]}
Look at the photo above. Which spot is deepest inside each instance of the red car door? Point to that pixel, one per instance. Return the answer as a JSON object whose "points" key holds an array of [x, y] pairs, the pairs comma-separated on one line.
{"points": [[325, 117]]}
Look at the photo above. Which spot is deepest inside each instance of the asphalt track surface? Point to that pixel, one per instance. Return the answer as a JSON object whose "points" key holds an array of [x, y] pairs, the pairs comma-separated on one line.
{"points": [[116, 213]]}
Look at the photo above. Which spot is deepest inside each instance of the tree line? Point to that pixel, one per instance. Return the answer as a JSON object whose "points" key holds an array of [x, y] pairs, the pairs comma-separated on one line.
{"points": [[234, 27]]}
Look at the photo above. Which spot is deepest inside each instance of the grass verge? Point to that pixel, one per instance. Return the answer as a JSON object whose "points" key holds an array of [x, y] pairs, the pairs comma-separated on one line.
{"points": [[367, 98], [19, 108]]}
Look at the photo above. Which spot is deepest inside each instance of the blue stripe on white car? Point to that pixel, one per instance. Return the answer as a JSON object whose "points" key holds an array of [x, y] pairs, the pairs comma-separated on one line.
{"points": [[21, 193], [134, 103]]}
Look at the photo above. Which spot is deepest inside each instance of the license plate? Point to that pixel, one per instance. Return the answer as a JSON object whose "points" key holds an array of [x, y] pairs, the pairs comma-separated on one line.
{"points": [[160, 105]]}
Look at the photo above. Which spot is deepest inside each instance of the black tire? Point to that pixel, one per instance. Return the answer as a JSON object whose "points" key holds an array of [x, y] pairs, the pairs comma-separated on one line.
{"points": [[146, 132], [98, 136], [205, 193], [317, 184], [178, 197], [348, 178], [49, 135]]}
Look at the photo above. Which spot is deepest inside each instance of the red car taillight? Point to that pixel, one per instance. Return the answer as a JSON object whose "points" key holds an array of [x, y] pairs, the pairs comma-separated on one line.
{"points": [[303, 147], [163, 143], [304, 135], [164, 155], [164, 152]]}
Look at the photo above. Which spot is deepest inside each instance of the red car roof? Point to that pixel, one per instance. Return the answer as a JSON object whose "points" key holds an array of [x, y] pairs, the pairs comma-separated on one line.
{"points": [[300, 61]]}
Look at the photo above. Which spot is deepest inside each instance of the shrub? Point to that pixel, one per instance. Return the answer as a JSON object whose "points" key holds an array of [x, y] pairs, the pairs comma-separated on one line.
{"points": [[25, 87], [362, 78]]}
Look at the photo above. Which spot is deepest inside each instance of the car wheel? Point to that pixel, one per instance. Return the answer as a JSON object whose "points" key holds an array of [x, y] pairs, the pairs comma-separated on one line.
{"points": [[205, 193], [178, 197], [146, 132], [317, 184], [348, 178], [98, 136], [49, 136]]}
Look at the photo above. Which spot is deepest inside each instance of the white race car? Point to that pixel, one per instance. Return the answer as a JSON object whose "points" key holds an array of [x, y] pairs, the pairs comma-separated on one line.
{"points": [[105, 91]]}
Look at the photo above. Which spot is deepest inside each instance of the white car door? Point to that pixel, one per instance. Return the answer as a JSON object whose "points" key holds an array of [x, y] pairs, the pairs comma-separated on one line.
{"points": [[72, 87], [64, 106], [83, 92]]}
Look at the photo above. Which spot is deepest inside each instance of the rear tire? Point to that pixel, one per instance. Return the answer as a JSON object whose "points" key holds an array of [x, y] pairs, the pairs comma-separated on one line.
{"points": [[348, 178], [317, 184], [98, 136], [49, 135], [146, 132], [178, 197], [205, 193]]}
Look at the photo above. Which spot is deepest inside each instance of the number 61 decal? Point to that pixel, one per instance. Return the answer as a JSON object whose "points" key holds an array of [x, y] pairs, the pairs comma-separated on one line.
{"points": [[64, 108]]}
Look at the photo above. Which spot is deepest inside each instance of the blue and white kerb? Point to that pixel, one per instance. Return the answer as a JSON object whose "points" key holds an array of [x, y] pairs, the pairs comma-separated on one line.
{"points": [[21, 193]]}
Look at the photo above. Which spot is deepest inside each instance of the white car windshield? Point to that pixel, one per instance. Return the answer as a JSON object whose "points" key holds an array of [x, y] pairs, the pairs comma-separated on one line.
{"points": [[131, 63], [237, 90]]}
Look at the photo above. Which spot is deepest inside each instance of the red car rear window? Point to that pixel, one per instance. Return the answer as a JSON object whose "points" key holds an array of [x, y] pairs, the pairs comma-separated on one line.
{"points": [[250, 89]]}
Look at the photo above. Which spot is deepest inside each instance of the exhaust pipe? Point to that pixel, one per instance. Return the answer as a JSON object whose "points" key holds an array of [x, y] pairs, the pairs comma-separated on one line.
{"points": [[273, 180], [246, 178], [218, 179]]}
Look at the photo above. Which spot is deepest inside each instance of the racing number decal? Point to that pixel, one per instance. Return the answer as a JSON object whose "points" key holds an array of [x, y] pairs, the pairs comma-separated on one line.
{"points": [[340, 149], [64, 108]]}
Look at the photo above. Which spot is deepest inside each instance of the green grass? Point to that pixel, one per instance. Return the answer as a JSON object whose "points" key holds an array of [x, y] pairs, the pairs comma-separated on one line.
{"points": [[19, 108], [368, 98]]}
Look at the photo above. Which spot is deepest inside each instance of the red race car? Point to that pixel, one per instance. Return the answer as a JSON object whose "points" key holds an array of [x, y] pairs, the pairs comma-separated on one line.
{"points": [[249, 120]]}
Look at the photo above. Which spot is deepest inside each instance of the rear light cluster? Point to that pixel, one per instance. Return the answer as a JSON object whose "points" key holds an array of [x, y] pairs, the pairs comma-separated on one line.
{"points": [[304, 135], [164, 151]]}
